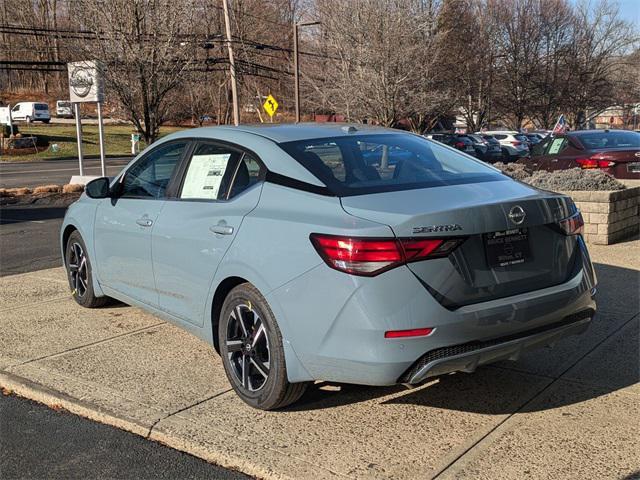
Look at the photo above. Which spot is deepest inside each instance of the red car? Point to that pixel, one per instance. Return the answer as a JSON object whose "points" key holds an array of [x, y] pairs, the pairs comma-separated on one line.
{"points": [[614, 151]]}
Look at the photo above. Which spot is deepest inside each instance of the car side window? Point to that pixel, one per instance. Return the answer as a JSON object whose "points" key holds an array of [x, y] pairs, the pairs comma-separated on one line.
{"points": [[556, 146], [540, 147], [150, 176], [210, 172], [249, 172], [500, 136]]}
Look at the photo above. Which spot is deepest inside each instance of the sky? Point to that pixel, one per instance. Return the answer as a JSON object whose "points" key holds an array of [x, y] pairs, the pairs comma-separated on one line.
{"points": [[630, 10]]}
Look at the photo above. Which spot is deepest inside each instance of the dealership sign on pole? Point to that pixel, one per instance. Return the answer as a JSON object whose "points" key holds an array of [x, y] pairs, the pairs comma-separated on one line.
{"points": [[86, 85]]}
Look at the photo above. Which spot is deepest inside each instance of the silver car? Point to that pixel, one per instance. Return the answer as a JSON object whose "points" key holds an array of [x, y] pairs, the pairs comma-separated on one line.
{"points": [[344, 253]]}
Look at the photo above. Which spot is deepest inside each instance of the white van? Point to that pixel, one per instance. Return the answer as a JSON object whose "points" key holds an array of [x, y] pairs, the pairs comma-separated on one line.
{"points": [[64, 109], [31, 112]]}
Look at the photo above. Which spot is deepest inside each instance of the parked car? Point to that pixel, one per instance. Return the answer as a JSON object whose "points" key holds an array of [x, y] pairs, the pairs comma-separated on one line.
{"points": [[514, 145], [533, 139], [4, 116], [298, 262], [458, 141], [496, 147], [487, 148], [64, 109], [540, 134], [613, 151], [31, 112]]}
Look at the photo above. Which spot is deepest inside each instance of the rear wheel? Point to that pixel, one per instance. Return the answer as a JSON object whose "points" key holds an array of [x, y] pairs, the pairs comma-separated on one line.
{"points": [[252, 353], [79, 273]]}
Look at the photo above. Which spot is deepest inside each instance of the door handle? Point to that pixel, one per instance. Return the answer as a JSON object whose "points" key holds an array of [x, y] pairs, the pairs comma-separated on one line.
{"points": [[144, 222], [222, 229]]}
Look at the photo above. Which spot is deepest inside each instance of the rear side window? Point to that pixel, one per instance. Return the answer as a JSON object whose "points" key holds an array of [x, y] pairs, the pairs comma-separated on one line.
{"points": [[556, 146], [360, 164], [249, 172], [521, 138], [500, 136]]}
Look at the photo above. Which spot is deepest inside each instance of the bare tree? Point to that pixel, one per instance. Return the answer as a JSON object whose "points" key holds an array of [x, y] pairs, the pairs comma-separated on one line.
{"points": [[143, 45], [602, 40], [382, 70]]}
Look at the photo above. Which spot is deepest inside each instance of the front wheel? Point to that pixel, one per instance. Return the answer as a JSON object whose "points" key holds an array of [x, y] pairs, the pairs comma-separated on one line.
{"points": [[79, 273], [252, 353]]}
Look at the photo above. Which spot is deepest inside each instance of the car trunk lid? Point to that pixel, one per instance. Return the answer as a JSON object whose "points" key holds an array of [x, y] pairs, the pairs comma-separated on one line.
{"points": [[491, 217]]}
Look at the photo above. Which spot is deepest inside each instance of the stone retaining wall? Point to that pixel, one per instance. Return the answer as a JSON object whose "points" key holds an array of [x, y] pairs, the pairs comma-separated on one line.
{"points": [[609, 216]]}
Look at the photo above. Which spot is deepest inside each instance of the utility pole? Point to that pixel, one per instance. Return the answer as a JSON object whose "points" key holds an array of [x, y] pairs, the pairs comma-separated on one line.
{"points": [[296, 70], [296, 64], [232, 65]]}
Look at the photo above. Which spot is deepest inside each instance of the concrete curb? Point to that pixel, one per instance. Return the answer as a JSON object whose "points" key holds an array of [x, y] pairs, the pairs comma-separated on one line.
{"points": [[55, 399]]}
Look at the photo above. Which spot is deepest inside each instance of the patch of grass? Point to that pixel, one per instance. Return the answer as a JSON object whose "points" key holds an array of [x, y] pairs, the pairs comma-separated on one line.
{"points": [[117, 141]]}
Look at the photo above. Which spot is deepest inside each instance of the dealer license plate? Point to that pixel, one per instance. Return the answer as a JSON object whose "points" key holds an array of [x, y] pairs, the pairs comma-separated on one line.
{"points": [[510, 247]]}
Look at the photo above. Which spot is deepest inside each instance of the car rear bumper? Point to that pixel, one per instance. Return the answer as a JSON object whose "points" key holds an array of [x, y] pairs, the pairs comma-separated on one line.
{"points": [[468, 357], [336, 324]]}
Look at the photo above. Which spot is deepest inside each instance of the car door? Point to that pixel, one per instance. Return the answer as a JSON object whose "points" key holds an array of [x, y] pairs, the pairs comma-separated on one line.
{"points": [[123, 224], [553, 152], [17, 113], [220, 184]]}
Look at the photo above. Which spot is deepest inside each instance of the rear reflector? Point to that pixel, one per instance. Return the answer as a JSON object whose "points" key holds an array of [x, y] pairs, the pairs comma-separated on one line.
{"points": [[572, 225], [371, 256], [415, 332]]}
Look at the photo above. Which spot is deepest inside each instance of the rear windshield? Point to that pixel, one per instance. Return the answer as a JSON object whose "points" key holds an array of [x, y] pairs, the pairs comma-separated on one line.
{"points": [[594, 140], [362, 164], [521, 138], [41, 106]]}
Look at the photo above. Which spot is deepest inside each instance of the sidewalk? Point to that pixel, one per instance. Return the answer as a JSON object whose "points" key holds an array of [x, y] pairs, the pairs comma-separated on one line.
{"points": [[566, 412]]}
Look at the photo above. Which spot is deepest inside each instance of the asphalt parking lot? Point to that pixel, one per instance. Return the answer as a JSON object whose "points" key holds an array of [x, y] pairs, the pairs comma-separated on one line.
{"points": [[566, 412]]}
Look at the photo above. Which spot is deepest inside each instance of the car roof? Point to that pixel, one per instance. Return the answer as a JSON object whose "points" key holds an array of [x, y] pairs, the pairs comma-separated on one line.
{"points": [[597, 130], [291, 132], [501, 132]]}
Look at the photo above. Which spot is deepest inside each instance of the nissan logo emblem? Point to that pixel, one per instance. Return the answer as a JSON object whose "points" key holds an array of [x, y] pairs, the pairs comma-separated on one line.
{"points": [[516, 214], [81, 81]]}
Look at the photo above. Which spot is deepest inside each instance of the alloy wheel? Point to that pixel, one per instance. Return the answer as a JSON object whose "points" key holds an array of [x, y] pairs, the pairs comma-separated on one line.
{"points": [[247, 345], [78, 269]]}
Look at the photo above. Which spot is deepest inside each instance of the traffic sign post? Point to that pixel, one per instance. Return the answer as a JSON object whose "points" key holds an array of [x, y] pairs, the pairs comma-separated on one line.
{"points": [[86, 86], [270, 106]]}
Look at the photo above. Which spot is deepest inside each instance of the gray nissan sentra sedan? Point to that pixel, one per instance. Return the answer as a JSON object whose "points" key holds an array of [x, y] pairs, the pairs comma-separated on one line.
{"points": [[344, 253]]}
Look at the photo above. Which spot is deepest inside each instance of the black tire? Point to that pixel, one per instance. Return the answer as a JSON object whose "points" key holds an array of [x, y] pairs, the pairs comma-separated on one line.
{"points": [[265, 393], [46, 121], [79, 274]]}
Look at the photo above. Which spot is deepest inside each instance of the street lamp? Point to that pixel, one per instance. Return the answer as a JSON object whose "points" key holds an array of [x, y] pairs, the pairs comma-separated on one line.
{"points": [[296, 67]]}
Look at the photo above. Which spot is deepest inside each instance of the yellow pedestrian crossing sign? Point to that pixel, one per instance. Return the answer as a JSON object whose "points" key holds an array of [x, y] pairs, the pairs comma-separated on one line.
{"points": [[270, 105]]}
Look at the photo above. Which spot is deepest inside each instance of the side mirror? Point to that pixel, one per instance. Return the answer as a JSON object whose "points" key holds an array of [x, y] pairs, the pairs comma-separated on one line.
{"points": [[98, 188]]}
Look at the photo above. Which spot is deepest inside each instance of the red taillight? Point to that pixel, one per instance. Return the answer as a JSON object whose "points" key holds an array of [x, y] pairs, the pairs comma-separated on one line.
{"points": [[515, 144], [459, 145], [414, 332], [572, 225], [593, 163], [371, 256]]}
